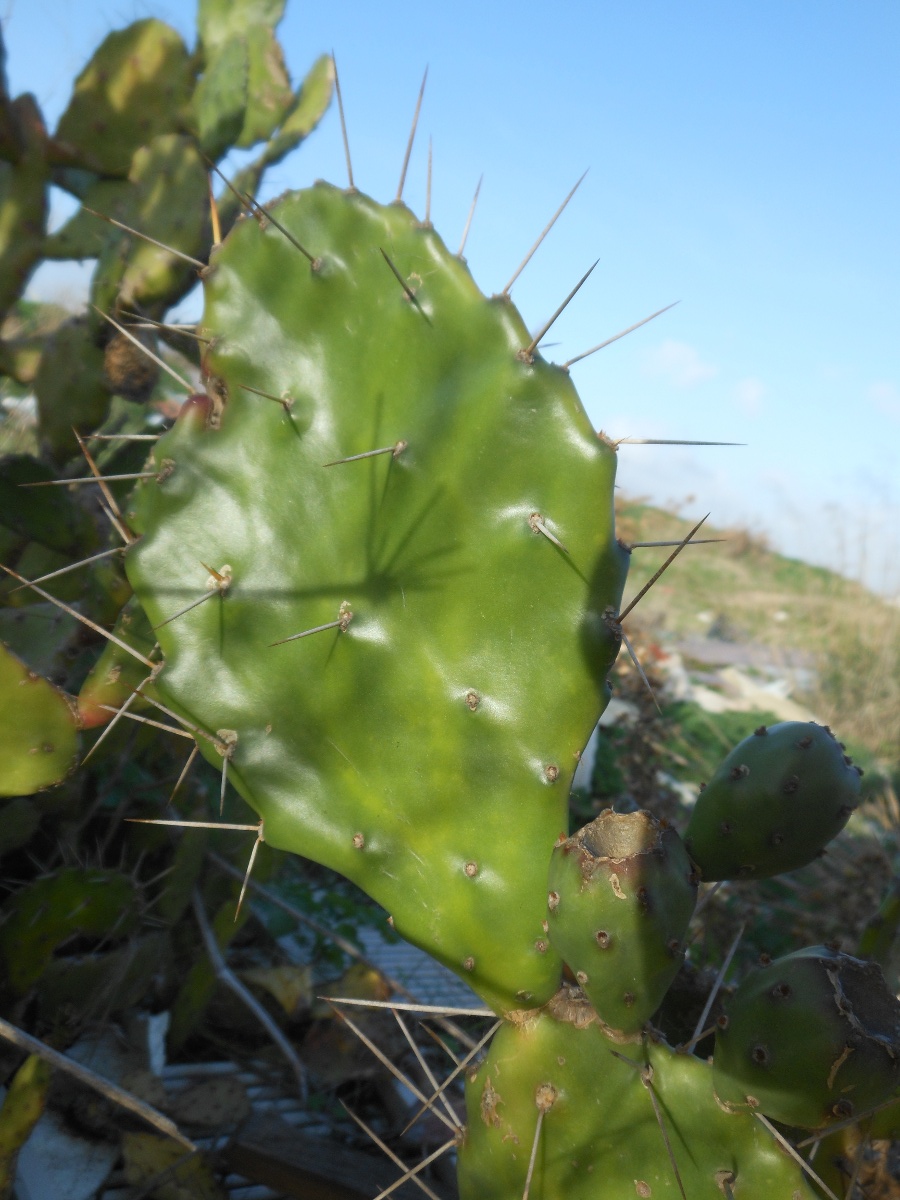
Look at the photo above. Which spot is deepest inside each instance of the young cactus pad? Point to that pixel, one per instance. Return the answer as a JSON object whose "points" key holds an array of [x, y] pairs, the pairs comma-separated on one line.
{"points": [[38, 736], [622, 893], [774, 803], [451, 589]]}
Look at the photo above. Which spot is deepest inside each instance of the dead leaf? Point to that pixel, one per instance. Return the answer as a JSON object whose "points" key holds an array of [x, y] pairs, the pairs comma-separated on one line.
{"points": [[291, 986]]}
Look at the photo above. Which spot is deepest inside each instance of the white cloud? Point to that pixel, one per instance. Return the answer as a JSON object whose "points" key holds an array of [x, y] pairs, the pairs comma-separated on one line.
{"points": [[749, 394], [679, 364], [886, 398]]}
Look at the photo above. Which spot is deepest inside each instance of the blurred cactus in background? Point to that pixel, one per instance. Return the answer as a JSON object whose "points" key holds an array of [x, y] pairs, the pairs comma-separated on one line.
{"points": [[146, 118]]}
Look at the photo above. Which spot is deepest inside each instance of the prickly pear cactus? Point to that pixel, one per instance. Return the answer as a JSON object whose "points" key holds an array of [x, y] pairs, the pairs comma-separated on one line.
{"points": [[412, 645], [379, 557], [376, 578]]}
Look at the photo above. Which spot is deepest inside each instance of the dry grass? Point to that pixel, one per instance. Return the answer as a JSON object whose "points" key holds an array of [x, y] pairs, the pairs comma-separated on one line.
{"points": [[859, 674], [850, 636]]}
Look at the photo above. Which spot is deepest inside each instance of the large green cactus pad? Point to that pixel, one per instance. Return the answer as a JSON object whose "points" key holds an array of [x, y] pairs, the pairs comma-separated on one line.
{"points": [[425, 745]]}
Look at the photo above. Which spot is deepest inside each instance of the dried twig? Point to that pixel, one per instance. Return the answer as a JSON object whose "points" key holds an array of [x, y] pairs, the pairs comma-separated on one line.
{"points": [[84, 1075], [231, 981]]}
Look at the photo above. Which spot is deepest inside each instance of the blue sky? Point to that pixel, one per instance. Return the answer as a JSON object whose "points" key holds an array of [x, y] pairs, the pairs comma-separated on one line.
{"points": [[744, 159]]}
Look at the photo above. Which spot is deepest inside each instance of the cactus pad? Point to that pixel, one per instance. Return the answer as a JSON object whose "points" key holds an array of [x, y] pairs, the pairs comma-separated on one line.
{"points": [[622, 892], [53, 909], [165, 197], [38, 737], [70, 387], [245, 90], [811, 1038], [136, 86], [422, 738], [774, 803], [24, 206], [600, 1138]]}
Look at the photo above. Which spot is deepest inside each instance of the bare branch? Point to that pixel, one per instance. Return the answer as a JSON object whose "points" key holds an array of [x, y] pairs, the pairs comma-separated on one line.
{"points": [[111, 1091], [247, 999]]}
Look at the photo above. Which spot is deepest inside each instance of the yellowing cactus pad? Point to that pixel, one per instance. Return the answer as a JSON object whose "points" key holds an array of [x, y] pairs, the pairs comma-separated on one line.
{"points": [[38, 732]]}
